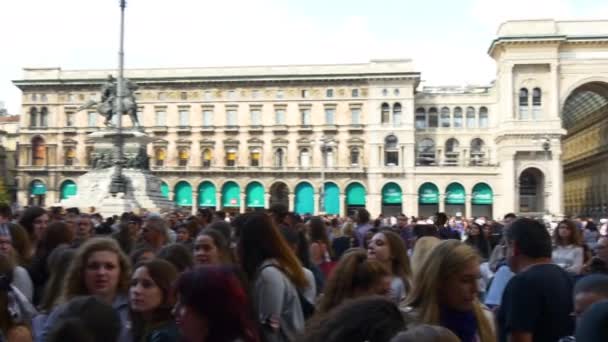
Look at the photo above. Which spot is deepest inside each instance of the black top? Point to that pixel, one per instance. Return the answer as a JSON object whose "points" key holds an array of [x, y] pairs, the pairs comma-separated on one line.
{"points": [[539, 301]]}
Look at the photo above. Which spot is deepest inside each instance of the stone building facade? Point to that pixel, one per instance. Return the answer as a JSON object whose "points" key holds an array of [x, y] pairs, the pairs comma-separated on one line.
{"points": [[332, 138]]}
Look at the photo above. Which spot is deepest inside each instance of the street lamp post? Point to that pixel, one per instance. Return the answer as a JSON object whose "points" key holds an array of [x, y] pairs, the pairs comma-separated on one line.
{"points": [[118, 183]]}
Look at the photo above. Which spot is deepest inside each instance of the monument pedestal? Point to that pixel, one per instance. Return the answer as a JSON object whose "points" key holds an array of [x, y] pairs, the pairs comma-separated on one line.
{"points": [[142, 187]]}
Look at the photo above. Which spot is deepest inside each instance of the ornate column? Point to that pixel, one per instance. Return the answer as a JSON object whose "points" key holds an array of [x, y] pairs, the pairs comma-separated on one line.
{"points": [[194, 202], [317, 206], [171, 196], [266, 200], [468, 206], [441, 203], [342, 197]]}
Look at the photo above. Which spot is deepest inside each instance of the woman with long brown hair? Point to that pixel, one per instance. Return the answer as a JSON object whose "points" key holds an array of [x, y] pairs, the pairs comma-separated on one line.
{"points": [[275, 274], [389, 249], [355, 276], [101, 269], [568, 250]]}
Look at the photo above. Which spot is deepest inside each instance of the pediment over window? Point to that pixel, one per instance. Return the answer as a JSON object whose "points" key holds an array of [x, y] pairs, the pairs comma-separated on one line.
{"points": [[162, 142], [280, 141], [355, 141], [255, 141], [69, 142], [207, 143], [304, 141], [231, 142]]}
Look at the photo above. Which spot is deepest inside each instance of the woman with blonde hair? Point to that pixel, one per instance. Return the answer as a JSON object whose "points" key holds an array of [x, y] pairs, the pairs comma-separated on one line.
{"points": [[354, 276], [445, 293], [422, 248], [389, 249], [100, 269]]}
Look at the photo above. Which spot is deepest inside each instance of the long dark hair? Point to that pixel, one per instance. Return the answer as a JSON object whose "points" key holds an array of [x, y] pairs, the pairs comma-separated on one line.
{"points": [[28, 217], [260, 240], [318, 233], [164, 275], [215, 293]]}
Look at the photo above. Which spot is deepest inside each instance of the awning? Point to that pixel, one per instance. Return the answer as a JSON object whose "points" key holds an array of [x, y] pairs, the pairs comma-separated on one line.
{"points": [[305, 202], [455, 194], [391, 194], [428, 194], [68, 189], [206, 194], [255, 195], [332, 199], [231, 195], [355, 194], [38, 188], [164, 189], [482, 194], [183, 194]]}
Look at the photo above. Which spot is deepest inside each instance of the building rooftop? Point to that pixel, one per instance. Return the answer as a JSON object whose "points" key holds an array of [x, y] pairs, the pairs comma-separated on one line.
{"points": [[466, 89], [10, 118], [550, 27]]}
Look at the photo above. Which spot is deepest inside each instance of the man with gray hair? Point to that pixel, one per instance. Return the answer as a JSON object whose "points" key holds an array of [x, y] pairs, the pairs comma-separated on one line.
{"points": [[154, 232]]}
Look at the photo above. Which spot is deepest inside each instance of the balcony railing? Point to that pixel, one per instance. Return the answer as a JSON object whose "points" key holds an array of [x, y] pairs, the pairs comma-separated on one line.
{"points": [[268, 169]]}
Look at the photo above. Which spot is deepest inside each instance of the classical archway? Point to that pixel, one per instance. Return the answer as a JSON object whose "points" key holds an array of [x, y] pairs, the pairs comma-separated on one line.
{"points": [[585, 160], [531, 191], [279, 195]]}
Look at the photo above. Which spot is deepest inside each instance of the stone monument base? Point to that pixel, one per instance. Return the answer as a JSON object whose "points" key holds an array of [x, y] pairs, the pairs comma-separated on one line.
{"points": [[142, 187]]}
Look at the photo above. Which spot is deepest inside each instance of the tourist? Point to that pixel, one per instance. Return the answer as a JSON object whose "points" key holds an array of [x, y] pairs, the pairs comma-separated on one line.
{"points": [[211, 248], [84, 229], [320, 247], [446, 292], [426, 333], [344, 241], [389, 249], [590, 234], [599, 263], [178, 255], [151, 302], [20, 245], [373, 318], [445, 231], [568, 249], [362, 218], [186, 233], [293, 237], [275, 273], [593, 325], [355, 276], [16, 312], [204, 216], [35, 220], [86, 319], [155, 233], [422, 248], [477, 239], [100, 269], [141, 255], [589, 290], [213, 306], [20, 277], [537, 302]]}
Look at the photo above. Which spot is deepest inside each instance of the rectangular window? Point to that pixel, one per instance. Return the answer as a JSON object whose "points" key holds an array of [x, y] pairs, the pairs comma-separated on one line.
{"points": [[329, 93], [91, 119], [255, 158], [471, 120], [330, 114], [355, 116], [279, 116], [355, 93], [184, 117], [183, 95], [162, 96], [70, 119], [256, 117], [207, 96], [231, 158], [207, 118], [161, 118], [433, 120], [305, 117], [231, 117], [255, 94], [231, 94], [391, 158], [279, 94], [304, 93]]}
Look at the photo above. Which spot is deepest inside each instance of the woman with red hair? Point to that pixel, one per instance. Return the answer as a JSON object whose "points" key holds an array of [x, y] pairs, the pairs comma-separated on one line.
{"points": [[212, 306]]}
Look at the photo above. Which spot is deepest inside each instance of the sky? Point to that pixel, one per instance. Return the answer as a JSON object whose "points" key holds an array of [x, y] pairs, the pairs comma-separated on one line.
{"points": [[447, 40]]}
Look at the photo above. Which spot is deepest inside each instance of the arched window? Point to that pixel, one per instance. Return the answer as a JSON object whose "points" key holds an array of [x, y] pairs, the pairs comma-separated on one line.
{"points": [[523, 104], [254, 157], [536, 103], [354, 156], [397, 114], [391, 151], [231, 157], [304, 157], [457, 117], [420, 118], [445, 117], [38, 152], [483, 117], [207, 157], [385, 113], [477, 152], [279, 156], [433, 121], [471, 122], [426, 152], [452, 152], [329, 157], [33, 117]]}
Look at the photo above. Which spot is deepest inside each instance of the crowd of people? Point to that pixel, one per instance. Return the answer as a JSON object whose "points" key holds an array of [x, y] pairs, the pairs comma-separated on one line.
{"points": [[278, 276]]}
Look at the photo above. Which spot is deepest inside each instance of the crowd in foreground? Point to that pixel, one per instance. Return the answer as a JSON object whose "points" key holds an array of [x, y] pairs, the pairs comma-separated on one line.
{"points": [[278, 276]]}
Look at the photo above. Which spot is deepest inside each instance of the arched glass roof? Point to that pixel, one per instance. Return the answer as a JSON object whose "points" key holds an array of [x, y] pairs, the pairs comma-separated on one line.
{"points": [[583, 102]]}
